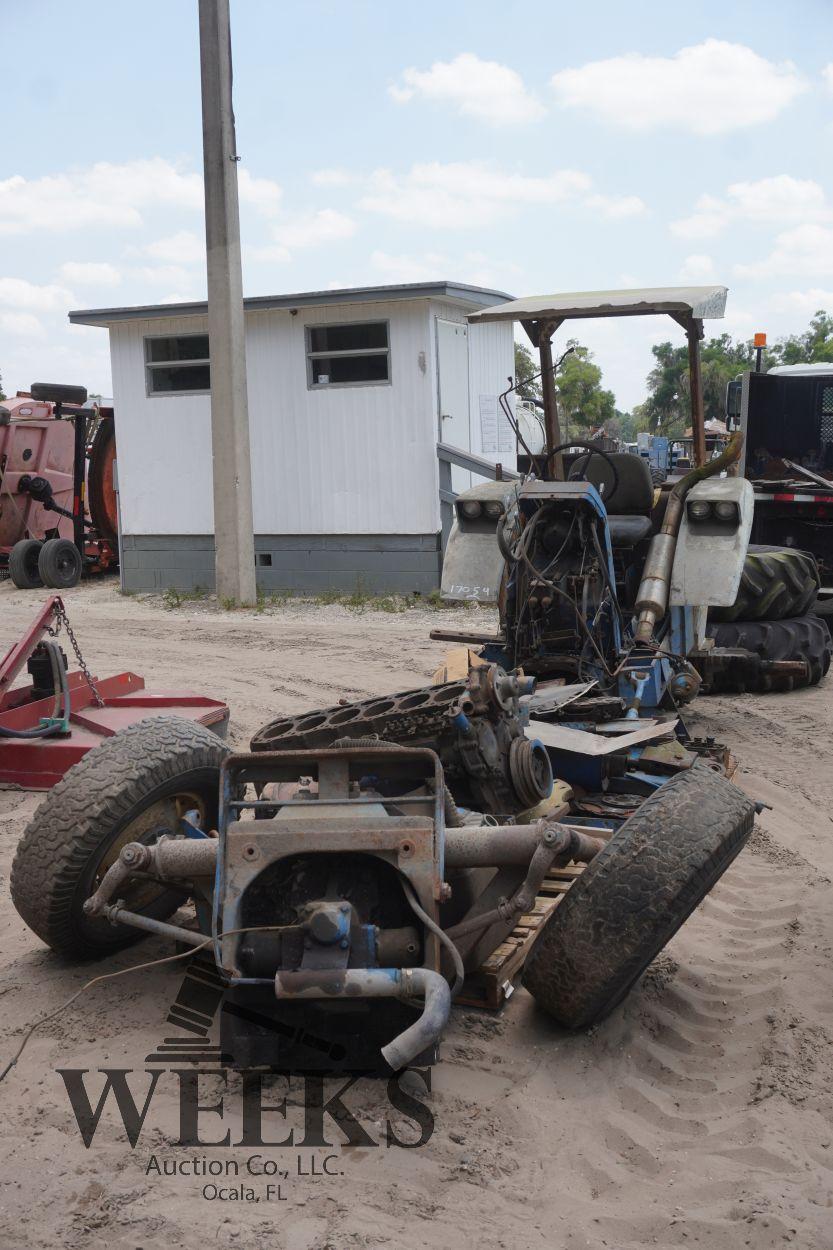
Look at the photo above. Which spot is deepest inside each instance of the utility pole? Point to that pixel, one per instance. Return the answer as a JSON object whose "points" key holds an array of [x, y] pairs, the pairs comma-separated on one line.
{"points": [[234, 558]]}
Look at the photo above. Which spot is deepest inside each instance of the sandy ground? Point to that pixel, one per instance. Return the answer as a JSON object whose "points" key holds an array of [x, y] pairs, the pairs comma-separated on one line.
{"points": [[701, 1113]]}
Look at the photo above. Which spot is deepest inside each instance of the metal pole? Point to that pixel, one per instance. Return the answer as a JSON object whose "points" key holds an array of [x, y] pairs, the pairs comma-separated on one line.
{"points": [[694, 332], [233, 524], [555, 469]]}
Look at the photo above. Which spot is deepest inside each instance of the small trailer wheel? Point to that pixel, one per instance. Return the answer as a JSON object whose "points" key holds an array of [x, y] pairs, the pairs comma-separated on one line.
{"points": [[134, 787], [59, 564], [23, 564], [634, 896]]}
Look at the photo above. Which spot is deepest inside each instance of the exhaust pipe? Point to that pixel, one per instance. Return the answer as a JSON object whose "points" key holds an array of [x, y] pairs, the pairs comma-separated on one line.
{"points": [[652, 599], [405, 983]]}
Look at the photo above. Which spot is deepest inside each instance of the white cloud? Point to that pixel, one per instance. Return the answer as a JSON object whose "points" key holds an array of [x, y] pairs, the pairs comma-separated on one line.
{"points": [[708, 89], [183, 248], [616, 206], [26, 325], [431, 266], [324, 226], [274, 253], [473, 267], [827, 75], [780, 199], [17, 294], [805, 249], [90, 273], [112, 195], [261, 193], [806, 302], [313, 230], [487, 90], [697, 268], [163, 275], [465, 194], [332, 178]]}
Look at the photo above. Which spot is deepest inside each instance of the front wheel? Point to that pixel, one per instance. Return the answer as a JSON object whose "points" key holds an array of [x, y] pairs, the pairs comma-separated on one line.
{"points": [[634, 896], [134, 787]]}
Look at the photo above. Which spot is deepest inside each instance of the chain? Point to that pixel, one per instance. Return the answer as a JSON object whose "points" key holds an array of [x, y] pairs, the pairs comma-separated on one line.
{"points": [[63, 619]]}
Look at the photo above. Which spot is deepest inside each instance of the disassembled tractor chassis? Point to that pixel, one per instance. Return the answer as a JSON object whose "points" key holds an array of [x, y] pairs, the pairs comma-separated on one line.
{"points": [[347, 887]]}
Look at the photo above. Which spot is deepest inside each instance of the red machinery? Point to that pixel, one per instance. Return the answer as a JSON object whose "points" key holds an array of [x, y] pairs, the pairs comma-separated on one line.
{"points": [[37, 744], [58, 514]]}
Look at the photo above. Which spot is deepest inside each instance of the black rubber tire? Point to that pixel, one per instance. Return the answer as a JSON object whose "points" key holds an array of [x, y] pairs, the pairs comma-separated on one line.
{"points": [[776, 583], [82, 816], [23, 564], [634, 896], [804, 638], [658, 476], [823, 609], [60, 564]]}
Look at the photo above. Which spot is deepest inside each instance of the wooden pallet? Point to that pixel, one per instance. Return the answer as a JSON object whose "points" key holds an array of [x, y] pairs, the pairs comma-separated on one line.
{"points": [[494, 981]]}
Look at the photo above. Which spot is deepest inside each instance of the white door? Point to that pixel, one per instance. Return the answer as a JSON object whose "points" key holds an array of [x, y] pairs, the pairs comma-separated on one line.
{"points": [[453, 389]]}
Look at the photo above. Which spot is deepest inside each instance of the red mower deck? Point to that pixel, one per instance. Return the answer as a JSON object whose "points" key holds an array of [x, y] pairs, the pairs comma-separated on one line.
{"points": [[38, 763]]}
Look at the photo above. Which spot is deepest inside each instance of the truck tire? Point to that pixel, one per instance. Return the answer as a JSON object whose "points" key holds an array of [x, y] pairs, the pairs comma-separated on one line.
{"points": [[776, 583], [634, 896], [23, 564], [805, 638], [60, 564], [133, 787]]}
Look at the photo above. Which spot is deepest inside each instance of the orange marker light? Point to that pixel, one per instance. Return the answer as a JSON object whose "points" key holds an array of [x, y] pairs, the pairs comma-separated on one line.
{"points": [[760, 340]]}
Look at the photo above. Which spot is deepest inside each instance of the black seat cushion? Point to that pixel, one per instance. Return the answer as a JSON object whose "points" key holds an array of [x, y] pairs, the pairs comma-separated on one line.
{"points": [[627, 531], [634, 493]]}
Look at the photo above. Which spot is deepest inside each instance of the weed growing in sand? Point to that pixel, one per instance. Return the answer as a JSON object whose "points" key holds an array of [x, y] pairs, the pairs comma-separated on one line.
{"points": [[361, 600], [173, 598]]}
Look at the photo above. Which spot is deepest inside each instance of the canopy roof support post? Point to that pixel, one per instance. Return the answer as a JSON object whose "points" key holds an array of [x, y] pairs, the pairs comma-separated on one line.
{"points": [[694, 332], [554, 468]]}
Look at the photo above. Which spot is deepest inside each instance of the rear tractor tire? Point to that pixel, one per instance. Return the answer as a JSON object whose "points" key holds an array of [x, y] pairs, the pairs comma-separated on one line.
{"points": [[134, 787], [23, 564], [804, 638], [776, 583], [634, 896]]}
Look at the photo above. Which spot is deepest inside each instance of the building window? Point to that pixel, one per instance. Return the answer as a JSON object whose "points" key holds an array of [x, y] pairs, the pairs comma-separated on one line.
{"points": [[348, 355], [177, 364]]}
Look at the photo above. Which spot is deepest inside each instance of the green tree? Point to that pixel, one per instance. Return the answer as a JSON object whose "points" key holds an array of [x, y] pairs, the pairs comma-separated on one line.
{"points": [[632, 423], [814, 345], [526, 367], [583, 403], [2, 392], [667, 409]]}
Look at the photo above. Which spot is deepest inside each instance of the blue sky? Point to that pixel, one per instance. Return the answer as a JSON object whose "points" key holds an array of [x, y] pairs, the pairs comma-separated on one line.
{"points": [[533, 150]]}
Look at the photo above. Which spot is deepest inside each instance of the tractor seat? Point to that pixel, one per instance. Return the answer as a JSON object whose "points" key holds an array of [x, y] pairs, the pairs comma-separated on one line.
{"points": [[627, 531], [629, 506]]}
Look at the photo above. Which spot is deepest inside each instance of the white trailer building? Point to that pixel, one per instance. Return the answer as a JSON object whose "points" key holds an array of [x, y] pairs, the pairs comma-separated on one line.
{"points": [[350, 392]]}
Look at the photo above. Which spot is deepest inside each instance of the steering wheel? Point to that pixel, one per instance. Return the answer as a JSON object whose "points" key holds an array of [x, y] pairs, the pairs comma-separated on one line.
{"points": [[594, 451]]}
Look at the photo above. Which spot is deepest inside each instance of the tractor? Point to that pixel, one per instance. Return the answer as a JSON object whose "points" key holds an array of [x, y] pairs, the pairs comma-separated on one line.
{"points": [[542, 813]]}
